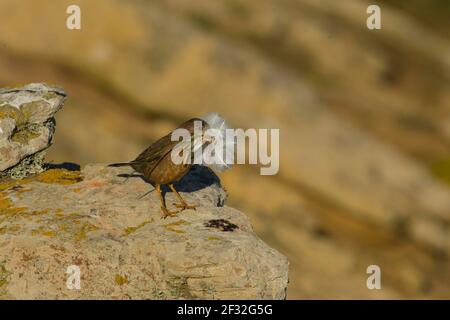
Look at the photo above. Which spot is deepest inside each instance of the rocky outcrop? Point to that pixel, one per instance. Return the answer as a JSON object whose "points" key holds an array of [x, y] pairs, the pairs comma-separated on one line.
{"points": [[27, 127], [103, 221]]}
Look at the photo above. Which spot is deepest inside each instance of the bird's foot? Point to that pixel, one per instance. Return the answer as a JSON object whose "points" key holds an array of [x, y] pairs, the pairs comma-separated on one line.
{"points": [[184, 206], [168, 213]]}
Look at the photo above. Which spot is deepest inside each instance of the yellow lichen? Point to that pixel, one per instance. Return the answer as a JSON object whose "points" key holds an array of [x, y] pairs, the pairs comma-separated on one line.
{"points": [[175, 230], [56, 176], [49, 233], [176, 223], [42, 231], [25, 134], [65, 225], [82, 232], [30, 108], [4, 275], [130, 230], [169, 226], [39, 212], [8, 111], [22, 190], [6, 184], [49, 95], [121, 280], [59, 176], [7, 207], [13, 228]]}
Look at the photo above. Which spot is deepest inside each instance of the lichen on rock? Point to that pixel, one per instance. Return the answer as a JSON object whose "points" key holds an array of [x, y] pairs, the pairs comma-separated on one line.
{"points": [[29, 165]]}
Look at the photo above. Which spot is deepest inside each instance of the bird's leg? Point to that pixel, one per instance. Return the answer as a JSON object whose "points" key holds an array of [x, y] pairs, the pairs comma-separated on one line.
{"points": [[183, 205], [164, 209]]}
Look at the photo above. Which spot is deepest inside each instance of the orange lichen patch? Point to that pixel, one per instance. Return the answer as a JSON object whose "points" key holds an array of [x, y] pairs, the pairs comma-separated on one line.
{"points": [[121, 280], [59, 176], [77, 190], [95, 184]]}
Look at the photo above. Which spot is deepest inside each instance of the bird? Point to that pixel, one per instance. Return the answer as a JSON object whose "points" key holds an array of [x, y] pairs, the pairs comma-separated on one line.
{"points": [[156, 163]]}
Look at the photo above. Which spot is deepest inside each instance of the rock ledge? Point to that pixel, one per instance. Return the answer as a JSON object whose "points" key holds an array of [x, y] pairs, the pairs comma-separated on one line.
{"points": [[99, 221]]}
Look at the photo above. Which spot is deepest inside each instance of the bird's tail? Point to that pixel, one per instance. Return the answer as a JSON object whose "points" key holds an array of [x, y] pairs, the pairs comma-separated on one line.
{"points": [[120, 164]]}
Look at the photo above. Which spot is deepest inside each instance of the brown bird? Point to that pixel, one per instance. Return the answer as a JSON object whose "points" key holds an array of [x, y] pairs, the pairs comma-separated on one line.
{"points": [[157, 166]]}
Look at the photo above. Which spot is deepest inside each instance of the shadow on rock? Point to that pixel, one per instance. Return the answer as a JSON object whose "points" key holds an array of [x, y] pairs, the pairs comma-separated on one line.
{"points": [[199, 177], [64, 165]]}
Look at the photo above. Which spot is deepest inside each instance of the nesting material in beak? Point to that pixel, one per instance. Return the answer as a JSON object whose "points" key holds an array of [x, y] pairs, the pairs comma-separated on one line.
{"points": [[219, 152]]}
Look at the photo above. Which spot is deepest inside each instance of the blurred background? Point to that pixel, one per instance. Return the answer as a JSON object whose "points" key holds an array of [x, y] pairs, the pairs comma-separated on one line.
{"points": [[364, 117]]}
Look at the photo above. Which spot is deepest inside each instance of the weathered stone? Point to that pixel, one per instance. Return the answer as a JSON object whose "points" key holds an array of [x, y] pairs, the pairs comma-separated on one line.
{"points": [[99, 220], [27, 127]]}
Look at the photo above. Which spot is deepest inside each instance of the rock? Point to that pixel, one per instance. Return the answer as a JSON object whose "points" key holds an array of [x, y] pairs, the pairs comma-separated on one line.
{"points": [[100, 220], [26, 127]]}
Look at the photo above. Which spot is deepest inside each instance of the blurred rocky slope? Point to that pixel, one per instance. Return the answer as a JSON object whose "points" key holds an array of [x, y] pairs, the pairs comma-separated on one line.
{"points": [[364, 119]]}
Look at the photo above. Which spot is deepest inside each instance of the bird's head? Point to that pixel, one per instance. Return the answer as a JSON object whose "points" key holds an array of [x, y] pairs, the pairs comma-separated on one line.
{"points": [[209, 140]]}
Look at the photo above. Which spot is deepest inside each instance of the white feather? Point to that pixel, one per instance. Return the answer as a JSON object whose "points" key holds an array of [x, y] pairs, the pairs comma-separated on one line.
{"points": [[218, 126]]}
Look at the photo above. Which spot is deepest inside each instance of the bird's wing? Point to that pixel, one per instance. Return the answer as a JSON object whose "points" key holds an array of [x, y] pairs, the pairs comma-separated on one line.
{"points": [[151, 156]]}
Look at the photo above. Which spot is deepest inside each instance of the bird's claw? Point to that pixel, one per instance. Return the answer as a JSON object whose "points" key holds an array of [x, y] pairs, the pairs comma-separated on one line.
{"points": [[168, 213]]}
